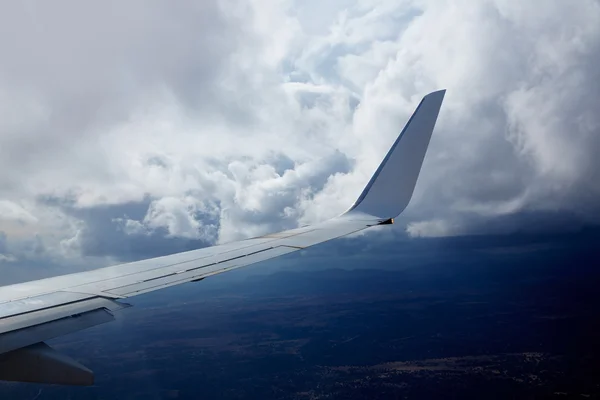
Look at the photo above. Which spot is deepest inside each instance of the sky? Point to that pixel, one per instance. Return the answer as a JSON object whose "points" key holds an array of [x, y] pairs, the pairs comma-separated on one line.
{"points": [[134, 129]]}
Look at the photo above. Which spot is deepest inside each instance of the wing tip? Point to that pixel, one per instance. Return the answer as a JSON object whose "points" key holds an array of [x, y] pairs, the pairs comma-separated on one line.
{"points": [[438, 93]]}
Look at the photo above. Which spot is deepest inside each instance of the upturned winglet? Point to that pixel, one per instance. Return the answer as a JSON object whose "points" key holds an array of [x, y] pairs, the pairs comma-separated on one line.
{"points": [[391, 187]]}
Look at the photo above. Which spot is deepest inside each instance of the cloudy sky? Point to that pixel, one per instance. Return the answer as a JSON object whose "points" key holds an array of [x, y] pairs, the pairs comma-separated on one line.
{"points": [[133, 129]]}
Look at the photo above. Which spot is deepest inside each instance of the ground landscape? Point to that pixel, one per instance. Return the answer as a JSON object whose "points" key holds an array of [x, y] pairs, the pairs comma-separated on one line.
{"points": [[470, 318]]}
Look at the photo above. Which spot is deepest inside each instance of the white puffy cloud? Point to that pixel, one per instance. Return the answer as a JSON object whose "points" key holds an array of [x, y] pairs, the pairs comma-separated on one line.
{"points": [[129, 129]]}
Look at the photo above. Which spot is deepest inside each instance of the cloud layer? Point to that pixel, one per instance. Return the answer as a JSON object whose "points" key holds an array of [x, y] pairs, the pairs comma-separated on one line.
{"points": [[134, 129]]}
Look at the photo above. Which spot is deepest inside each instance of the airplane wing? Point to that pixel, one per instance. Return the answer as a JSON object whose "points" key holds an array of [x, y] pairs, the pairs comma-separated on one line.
{"points": [[33, 312]]}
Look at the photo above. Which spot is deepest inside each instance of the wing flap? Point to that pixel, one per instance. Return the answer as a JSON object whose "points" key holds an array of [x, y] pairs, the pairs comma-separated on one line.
{"points": [[198, 272], [25, 329], [40, 302]]}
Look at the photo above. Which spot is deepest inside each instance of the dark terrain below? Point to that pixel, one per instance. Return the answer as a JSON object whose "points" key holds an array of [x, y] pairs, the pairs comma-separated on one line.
{"points": [[462, 318]]}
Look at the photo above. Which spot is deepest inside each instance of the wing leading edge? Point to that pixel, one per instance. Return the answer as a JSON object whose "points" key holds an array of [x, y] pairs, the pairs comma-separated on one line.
{"points": [[33, 312]]}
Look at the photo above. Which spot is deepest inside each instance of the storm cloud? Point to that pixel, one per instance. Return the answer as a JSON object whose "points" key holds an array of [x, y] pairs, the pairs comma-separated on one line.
{"points": [[135, 129]]}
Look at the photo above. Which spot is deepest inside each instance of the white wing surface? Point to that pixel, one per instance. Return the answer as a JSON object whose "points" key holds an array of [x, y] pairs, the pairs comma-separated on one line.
{"points": [[33, 312]]}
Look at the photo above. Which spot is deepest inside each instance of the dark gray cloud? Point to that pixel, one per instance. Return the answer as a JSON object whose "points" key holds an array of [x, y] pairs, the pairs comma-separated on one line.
{"points": [[103, 233]]}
